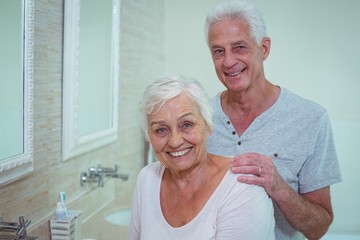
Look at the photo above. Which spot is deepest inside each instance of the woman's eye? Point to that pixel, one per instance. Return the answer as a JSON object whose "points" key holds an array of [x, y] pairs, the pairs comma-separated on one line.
{"points": [[187, 126], [161, 131]]}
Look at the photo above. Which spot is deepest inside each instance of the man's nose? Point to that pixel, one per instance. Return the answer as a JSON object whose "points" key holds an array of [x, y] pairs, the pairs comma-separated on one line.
{"points": [[229, 59]]}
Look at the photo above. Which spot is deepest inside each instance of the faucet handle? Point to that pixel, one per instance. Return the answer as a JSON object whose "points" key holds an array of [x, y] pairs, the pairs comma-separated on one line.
{"points": [[99, 169], [116, 168], [83, 178], [22, 227], [100, 173], [92, 171], [101, 181]]}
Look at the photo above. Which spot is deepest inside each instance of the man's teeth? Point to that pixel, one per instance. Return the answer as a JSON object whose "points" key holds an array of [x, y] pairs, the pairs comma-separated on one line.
{"points": [[180, 153], [233, 74]]}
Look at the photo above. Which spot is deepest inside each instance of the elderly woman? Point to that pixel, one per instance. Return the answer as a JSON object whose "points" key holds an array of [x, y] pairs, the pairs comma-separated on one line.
{"points": [[189, 193]]}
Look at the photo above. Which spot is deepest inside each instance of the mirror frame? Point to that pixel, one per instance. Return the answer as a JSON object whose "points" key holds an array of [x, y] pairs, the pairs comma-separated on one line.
{"points": [[72, 144], [21, 165]]}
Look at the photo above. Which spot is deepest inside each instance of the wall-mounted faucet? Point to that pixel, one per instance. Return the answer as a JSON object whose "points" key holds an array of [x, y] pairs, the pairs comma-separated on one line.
{"points": [[18, 228], [114, 173], [97, 174]]}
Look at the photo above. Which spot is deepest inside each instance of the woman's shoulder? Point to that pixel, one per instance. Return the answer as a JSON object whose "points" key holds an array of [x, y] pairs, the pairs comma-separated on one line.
{"points": [[247, 204], [152, 169], [222, 162], [246, 192], [229, 181]]}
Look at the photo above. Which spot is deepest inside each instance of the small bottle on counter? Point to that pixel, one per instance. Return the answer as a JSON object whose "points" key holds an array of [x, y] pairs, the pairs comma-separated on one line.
{"points": [[60, 212]]}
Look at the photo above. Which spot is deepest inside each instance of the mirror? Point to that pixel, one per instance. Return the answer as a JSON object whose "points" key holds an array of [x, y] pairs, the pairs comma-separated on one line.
{"points": [[90, 75], [16, 89]]}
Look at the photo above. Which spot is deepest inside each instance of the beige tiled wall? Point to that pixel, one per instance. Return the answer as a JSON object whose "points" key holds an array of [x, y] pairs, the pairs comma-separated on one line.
{"points": [[141, 61]]}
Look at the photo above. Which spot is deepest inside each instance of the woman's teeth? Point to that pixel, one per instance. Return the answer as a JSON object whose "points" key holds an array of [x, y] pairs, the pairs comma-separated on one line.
{"points": [[179, 153]]}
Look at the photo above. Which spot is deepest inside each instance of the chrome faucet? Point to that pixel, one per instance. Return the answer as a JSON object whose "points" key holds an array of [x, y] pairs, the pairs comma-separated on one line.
{"points": [[114, 172], [122, 176], [18, 228], [97, 174]]}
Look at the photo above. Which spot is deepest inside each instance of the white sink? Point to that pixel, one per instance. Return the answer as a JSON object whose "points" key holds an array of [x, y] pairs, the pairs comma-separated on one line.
{"points": [[119, 217]]}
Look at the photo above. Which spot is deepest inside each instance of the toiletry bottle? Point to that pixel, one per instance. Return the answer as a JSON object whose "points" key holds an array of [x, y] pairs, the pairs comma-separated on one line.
{"points": [[60, 212]]}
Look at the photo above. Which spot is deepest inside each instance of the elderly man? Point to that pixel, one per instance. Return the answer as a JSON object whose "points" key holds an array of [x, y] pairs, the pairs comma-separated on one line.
{"points": [[283, 139]]}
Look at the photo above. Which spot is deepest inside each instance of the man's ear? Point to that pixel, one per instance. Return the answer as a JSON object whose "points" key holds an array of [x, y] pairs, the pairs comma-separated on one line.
{"points": [[209, 131], [266, 43]]}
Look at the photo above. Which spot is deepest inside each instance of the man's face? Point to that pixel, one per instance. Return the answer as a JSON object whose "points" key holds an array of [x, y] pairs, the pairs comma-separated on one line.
{"points": [[237, 58]]}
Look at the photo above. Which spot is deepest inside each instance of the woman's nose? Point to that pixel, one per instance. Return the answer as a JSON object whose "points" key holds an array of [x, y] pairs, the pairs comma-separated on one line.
{"points": [[175, 139]]}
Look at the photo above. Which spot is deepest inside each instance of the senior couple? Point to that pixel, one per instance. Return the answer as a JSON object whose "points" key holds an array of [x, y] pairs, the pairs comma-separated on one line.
{"points": [[247, 164]]}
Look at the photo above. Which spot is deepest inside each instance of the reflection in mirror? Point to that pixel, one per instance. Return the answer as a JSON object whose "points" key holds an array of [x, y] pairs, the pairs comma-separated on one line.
{"points": [[16, 89], [90, 92]]}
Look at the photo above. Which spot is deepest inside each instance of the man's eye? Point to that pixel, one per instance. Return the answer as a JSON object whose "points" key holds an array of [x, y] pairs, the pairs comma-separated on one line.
{"points": [[218, 52], [239, 48]]}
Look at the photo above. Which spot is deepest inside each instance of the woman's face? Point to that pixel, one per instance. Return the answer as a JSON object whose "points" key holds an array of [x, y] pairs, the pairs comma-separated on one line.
{"points": [[178, 134]]}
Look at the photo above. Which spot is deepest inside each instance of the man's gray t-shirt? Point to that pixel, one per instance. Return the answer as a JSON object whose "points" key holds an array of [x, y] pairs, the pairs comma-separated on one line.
{"points": [[296, 133]]}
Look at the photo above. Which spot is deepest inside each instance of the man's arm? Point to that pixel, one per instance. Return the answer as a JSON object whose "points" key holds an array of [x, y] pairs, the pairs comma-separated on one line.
{"points": [[310, 213]]}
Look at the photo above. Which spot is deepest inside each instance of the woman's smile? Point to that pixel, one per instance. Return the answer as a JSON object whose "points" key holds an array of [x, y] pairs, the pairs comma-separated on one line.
{"points": [[180, 153]]}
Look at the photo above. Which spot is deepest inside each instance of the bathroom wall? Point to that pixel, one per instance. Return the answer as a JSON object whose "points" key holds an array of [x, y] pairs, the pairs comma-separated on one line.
{"points": [[314, 52], [141, 61]]}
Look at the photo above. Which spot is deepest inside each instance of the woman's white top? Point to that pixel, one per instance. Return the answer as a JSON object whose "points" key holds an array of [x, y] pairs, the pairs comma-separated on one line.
{"points": [[234, 211]]}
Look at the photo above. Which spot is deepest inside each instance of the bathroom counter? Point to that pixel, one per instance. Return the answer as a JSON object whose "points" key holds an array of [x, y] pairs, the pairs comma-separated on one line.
{"points": [[98, 228]]}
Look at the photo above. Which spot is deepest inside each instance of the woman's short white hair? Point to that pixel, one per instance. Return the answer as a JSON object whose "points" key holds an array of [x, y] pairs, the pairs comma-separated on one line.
{"points": [[160, 91], [238, 10]]}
